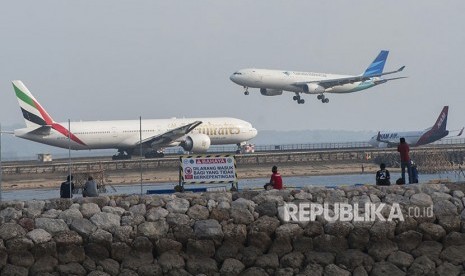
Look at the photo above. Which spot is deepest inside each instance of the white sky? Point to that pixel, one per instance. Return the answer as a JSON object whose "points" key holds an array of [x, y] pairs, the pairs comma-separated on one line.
{"points": [[112, 59]]}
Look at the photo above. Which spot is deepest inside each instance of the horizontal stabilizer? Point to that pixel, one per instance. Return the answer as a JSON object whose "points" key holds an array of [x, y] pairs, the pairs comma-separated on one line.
{"points": [[43, 130]]}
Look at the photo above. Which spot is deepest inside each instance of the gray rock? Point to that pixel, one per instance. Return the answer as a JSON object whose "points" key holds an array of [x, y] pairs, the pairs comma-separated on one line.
{"points": [[72, 269], [44, 249], [153, 229], [408, 240], [162, 245], [69, 215], [353, 258], [24, 258], [113, 210], [106, 221], [432, 231], [382, 230], [26, 223], [454, 238], [52, 213], [421, 266], [124, 234], [312, 270], [231, 267], [39, 236], [227, 250], [52, 226], [83, 226], [454, 254], [205, 266], [401, 259], [14, 270], [139, 209], [421, 199], [321, 258], [359, 238], [183, 233], [438, 196], [198, 212], [71, 254], [288, 230], [281, 246], [241, 216], [34, 208], [175, 219], [235, 232], [142, 244], [11, 230], [101, 237], [448, 269], [338, 228], [156, 213], [254, 271], [19, 244], [44, 264], [265, 224], [200, 248], [249, 255], [119, 250], [10, 214], [431, 249], [208, 229], [267, 209], [381, 249], [150, 270], [386, 269], [334, 270], [96, 252], [171, 260], [267, 261], [98, 273], [178, 205], [330, 243], [89, 209], [110, 266], [292, 260], [66, 238]]}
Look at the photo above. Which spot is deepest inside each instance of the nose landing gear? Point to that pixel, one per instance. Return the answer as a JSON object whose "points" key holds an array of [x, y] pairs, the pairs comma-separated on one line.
{"points": [[246, 92]]}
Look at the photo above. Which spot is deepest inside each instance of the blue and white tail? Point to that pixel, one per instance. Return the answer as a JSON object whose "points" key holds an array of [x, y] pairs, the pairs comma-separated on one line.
{"points": [[377, 66]]}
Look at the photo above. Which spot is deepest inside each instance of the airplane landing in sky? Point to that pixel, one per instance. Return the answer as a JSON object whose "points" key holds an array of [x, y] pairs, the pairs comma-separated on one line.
{"points": [[415, 138], [274, 82], [128, 136]]}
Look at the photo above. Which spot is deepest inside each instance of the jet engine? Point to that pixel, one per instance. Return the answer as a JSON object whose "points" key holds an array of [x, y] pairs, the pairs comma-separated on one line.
{"points": [[198, 143], [313, 88], [270, 92]]}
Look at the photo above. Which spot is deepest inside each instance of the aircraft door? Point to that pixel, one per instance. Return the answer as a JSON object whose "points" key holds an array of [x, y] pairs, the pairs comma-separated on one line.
{"points": [[114, 132]]}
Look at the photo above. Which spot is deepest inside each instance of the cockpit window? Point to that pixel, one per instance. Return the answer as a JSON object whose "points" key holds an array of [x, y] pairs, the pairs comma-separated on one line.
{"points": [[237, 73]]}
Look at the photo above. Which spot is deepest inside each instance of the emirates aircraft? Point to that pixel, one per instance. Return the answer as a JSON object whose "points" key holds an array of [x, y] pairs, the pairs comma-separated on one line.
{"points": [[274, 82], [415, 138], [192, 134]]}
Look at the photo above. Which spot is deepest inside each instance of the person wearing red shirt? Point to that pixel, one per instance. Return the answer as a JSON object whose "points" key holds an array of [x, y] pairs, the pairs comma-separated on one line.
{"points": [[276, 182], [404, 150]]}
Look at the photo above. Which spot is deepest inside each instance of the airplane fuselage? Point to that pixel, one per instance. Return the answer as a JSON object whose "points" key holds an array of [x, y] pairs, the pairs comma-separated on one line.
{"points": [[413, 138], [125, 134], [285, 80]]}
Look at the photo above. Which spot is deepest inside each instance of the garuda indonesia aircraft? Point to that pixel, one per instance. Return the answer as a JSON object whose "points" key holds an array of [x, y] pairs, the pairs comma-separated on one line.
{"points": [[193, 134], [274, 82], [415, 138]]}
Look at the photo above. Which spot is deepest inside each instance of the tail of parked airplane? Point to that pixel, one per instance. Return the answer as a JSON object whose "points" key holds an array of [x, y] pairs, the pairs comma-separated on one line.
{"points": [[34, 114], [377, 66], [441, 122]]}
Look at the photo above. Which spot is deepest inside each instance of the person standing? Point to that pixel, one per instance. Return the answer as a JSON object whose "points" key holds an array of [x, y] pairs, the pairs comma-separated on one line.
{"points": [[276, 181], [383, 178], [404, 150], [90, 188], [67, 187]]}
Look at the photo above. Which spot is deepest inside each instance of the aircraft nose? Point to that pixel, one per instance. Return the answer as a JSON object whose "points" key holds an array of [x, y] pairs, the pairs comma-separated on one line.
{"points": [[253, 132]]}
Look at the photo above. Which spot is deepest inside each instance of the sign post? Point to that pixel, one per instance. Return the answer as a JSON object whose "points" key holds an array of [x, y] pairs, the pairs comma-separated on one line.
{"points": [[207, 169]]}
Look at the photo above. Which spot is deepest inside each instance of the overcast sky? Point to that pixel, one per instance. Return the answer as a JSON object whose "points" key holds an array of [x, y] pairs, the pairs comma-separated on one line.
{"points": [[103, 60]]}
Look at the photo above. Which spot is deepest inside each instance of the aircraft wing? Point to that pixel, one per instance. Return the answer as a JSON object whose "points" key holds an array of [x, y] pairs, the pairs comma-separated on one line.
{"points": [[341, 81], [168, 137]]}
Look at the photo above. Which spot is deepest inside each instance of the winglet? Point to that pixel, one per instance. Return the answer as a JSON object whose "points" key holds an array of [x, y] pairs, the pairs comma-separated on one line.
{"points": [[401, 68], [378, 138], [461, 131]]}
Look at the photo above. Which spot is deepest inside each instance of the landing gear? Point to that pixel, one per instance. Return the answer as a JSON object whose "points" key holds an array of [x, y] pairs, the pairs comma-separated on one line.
{"points": [[298, 99], [322, 98], [154, 154], [246, 92], [121, 155]]}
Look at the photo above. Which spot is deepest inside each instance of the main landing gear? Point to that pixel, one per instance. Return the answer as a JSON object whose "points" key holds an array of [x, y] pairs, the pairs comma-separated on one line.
{"points": [[121, 155], [298, 99], [322, 98], [246, 92], [154, 154]]}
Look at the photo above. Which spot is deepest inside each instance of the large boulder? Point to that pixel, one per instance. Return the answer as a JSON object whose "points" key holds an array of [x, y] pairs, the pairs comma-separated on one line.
{"points": [[106, 221], [52, 226]]}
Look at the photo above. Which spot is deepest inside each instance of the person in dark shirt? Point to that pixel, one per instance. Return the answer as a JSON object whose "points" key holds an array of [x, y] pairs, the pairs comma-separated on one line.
{"points": [[404, 150], [383, 178], [67, 187], [90, 188], [276, 181]]}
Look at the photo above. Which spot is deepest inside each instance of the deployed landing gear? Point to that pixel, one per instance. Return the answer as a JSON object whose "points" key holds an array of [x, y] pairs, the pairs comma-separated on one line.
{"points": [[298, 99], [322, 98], [121, 155], [154, 154], [246, 92]]}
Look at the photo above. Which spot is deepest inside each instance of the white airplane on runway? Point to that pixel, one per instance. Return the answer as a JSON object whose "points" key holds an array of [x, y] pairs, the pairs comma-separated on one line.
{"points": [[193, 134], [415, 138], [274, 82]]}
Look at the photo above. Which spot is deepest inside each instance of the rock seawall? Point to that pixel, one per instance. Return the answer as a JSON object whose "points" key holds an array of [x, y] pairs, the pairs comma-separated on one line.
{"points": [[240, 233]]}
